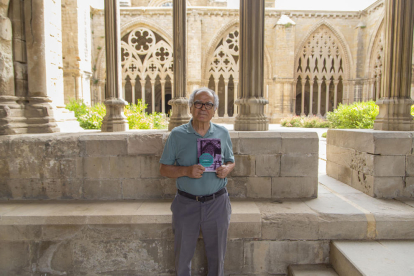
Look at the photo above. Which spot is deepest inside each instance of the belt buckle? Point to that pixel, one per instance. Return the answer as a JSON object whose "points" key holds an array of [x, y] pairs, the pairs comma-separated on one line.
{"points": [[201, 199]]}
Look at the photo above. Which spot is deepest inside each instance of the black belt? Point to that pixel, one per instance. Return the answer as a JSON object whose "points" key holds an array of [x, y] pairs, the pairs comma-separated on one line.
{"points": [[203, 198]]}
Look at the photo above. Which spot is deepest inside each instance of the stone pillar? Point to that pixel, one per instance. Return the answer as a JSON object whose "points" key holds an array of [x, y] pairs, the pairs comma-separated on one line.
{"points": [[293, 105], [152, 96], [179, 104], [395, 102], [133, 101], [143, 94], [216, 84], [102, 91], [114, 119], [42, 53], [327, 99], [123, 89], [378, 88], [226, 97], [319, 97], [163, 96], [311, 81], [302, 113], [236, 86], [251, 115], [336, 82]]}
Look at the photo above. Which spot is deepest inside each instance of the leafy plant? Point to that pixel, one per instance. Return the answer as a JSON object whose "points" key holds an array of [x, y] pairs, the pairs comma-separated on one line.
{"points": [[92, 117], [303, 121], [356, 115]]}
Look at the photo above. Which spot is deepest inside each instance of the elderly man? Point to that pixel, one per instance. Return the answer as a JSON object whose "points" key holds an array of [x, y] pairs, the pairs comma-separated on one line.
{"points": [[202, 201]]}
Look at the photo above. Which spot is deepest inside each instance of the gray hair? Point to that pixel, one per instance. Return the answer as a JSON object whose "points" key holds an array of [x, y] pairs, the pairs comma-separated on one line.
{"points": [[204, 89]]}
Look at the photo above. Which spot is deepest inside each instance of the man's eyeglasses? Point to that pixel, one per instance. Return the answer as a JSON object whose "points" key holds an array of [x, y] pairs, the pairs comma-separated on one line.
{"points": [[199, 105]]}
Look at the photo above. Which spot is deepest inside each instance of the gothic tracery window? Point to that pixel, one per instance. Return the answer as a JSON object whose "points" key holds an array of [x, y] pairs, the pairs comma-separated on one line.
{"points": [[319, 73], [147, 68], [376, 66], [224, 72]]}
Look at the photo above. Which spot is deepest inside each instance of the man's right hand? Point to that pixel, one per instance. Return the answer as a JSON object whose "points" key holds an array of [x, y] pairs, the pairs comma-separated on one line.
{"points": [[195, 171]]}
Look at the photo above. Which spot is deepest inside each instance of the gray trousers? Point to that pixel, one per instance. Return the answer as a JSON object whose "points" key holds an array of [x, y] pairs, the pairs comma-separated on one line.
{"points": [[213, 218]]}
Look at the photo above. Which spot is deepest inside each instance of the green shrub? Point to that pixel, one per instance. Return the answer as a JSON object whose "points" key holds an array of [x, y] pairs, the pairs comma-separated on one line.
{"points": [[303, 121], [92, 117], [324, 134], [356, 115]]}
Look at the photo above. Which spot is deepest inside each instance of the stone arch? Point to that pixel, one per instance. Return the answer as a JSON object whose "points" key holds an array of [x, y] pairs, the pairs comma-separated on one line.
{"points": [[228, 27], [341, 39], [138, 22], [373, 39]]}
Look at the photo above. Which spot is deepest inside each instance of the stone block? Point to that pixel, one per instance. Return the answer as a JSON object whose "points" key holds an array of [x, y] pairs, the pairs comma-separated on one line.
{"points": [[273, 257], [409, 187], [15, 258], [62, 232], [388, 187], [339, 155], [339, 227], [344, 174], [169, 187], [332, 169], [363, 182], [31, 149], [268, 165], [68, 168], [20, 232], [386, 165], [5, 190], [393, 143], [49, 168], [233, 262], [259, 187], [290, 227], [142, 188], [67, 146], [103, 145], [150, 167], [125, 167], [235, 141], [96, 167], [255, 143], [245, 165], [23, 167], [146, 144], [26, 189], [237, 187], [4, 148], [409, 165], [4, 169], [300, 142], [394, 227], [294, 187], [299, 165], [102, 189]]}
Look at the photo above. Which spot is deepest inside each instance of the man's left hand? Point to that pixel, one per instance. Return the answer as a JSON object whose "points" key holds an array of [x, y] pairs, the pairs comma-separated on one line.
{"points": [[223, 171]]}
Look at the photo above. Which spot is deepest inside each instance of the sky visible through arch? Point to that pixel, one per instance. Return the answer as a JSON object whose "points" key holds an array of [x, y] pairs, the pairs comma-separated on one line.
{"points": [[325, 5]]}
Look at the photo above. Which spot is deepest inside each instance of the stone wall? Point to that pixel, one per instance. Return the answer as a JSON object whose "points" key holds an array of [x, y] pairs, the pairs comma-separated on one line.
{"points": [[378, 163], [126, 166]]}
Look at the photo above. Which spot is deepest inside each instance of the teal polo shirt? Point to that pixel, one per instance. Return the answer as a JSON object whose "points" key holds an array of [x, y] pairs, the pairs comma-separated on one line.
{"points": [[181, 150]]}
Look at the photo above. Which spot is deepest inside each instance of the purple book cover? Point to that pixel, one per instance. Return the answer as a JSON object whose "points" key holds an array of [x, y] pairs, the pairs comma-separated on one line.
{"points": [[209, 153]]}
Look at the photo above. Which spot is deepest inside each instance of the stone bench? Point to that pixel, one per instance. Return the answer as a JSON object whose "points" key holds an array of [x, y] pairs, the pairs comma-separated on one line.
{"points": [[134, 237], [123, 166]]}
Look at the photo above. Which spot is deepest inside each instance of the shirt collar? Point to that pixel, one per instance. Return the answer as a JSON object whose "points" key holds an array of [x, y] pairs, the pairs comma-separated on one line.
{"points": [[190, 128]]}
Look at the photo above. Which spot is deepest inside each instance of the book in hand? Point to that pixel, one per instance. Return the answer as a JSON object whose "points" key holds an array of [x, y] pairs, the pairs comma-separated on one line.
{"points": [[209, 153]]}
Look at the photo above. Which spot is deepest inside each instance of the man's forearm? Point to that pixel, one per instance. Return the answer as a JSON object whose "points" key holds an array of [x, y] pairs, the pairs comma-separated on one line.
{"points": [[173, 171]]}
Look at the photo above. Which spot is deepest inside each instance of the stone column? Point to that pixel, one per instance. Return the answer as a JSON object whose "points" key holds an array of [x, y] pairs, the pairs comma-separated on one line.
{"points": [[163, 96], [319, 97], [236, 86], [336, 82], [152, 96], [327, 99], [114, 119], [133, 92], [123, 89], [40, 111], [372, 85], [102, 91], [216, 84], [179, 104], [302, 113], [294, 87], [251, 71], [378, 88], [143, 94], [311, 81], [395, 102], [226, 97]]}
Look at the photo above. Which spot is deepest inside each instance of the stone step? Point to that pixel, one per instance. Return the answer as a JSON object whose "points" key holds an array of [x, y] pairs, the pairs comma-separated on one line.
{"points": [[373, 258], [311, 270]]}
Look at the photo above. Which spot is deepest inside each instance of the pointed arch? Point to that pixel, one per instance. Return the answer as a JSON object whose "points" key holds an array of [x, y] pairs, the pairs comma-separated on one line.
{"points": [[373, 38], [340, 37]]}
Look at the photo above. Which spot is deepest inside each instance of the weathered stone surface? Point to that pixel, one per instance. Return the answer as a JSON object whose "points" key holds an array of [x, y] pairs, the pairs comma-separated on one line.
{"points": [[409, 187], [339, 155], [142, 188], [273, 257], [299, 165], [14, 258], [386, 165], [245, 165], [389, 187], [259, 187], [103, 145], [233, 262], [267, 165], [5, 29], [300, 142], [294, 187], [102, 189], [237, 187], [409, 165], [125, 167], [20, 232], [146, 144], [61, 232], [363, 182], [260, 142], [150, 167]]}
